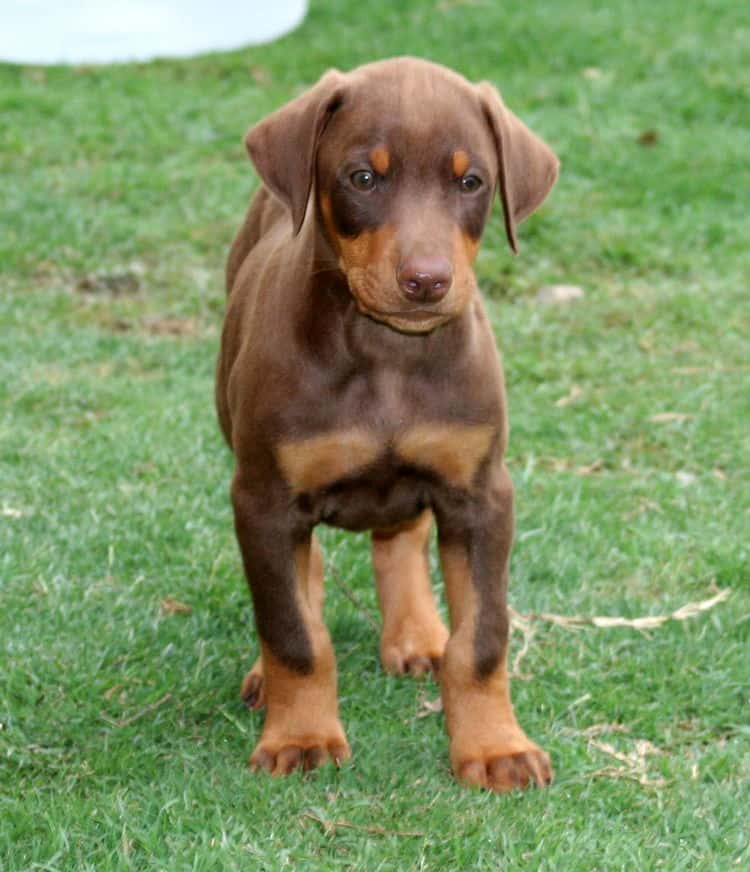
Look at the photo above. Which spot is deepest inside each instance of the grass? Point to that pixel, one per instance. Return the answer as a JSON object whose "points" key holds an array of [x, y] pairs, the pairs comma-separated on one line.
{"points": [[122, 740]]}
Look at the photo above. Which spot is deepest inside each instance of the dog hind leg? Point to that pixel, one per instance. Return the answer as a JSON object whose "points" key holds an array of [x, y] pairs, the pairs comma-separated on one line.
{"points": [[414, 634]]}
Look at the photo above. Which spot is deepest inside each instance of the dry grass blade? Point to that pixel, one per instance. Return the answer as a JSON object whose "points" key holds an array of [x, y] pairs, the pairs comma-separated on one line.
{"points": [[352, 597], [428, 707], [699, 370], [575, 393], [172, 606], [667, 417], [597, 730], [635, 762], [125, 722], [519, 622], [647, 622], [630, 775], [596, 466], [108, 694], [171, 326], [690, 610], [637, 757], [332, 826]]}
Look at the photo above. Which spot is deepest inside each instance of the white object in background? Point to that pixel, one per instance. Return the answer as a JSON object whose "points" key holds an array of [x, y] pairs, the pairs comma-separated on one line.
{"points": [[87, 31], [551, 295]]}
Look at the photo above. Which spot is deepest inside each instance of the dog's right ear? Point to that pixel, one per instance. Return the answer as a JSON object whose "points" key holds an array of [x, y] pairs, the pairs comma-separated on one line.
{"points": [[283, 146]]}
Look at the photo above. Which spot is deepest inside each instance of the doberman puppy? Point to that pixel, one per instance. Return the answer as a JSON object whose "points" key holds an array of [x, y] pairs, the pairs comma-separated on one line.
{"points": [[358, 385]]}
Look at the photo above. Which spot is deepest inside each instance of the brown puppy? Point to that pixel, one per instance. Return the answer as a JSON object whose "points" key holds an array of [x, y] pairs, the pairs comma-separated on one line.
{"points": [[359, 385]]}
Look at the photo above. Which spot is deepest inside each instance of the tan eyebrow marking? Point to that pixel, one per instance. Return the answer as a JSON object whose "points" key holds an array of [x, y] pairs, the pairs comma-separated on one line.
{"points": [[461, 162], [380, 159]]}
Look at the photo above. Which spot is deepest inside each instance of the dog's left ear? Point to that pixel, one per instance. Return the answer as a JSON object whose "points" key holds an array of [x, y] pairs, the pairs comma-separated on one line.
{"points": [[283, 146], [527, 167]]}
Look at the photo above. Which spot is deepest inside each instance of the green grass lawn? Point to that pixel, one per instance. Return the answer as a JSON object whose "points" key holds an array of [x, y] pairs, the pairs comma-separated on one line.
{"points": [[123, 744]]}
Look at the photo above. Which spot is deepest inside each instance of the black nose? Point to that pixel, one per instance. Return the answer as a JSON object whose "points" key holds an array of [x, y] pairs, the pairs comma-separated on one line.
{"points": [[425, 279]]}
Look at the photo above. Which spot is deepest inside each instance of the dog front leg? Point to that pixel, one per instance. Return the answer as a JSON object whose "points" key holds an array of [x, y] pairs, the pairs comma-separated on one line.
{"points": [[302, 727], [253, 692], [488, 747]]}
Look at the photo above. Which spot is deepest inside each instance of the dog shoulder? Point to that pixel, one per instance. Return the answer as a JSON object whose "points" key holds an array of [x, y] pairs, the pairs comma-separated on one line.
{"points": [[264, 216]]}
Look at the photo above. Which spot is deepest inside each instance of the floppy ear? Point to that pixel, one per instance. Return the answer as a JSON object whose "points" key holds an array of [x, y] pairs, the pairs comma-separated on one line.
{"points": [[283, 146], [527, 167]]}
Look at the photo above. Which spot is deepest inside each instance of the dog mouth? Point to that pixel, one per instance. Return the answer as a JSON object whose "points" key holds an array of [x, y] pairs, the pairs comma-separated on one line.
{"points": [[407, 321]]}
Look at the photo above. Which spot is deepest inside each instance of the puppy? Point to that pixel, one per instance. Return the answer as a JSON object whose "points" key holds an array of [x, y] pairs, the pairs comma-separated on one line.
{"points": [[358, 385]]}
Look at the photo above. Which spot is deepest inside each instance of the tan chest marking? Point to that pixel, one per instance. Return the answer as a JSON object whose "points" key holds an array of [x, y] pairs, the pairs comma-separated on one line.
{"points": [[312, 463], [454, 451]]}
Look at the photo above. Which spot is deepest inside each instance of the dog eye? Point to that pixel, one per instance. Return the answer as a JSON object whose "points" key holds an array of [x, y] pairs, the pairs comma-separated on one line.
{"points": [[363, 180], [469, 184]]}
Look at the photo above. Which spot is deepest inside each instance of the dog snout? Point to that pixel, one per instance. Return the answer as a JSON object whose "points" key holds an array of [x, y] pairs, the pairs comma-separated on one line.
{"points": [[425, 279]]}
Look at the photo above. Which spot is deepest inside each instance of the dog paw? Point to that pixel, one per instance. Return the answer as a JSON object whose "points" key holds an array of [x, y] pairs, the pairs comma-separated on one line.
{"points": [[415, 651], [282, 757], [502, 772], [252, 691], [416, 665]]}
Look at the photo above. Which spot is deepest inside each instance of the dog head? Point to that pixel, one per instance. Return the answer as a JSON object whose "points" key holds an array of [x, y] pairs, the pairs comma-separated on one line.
{"points": [[404, 157]]}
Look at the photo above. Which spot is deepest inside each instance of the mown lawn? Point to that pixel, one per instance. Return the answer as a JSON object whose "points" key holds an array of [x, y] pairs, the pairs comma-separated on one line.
{"points": [[123, 744]]}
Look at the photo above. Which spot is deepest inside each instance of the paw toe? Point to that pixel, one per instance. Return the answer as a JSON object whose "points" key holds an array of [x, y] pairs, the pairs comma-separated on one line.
{"points": [[314, 757], [286, 759], [339, 752], [473, 773], [262, 759], [502, 773], [415, 665], [418, 666], [519, 770]]}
